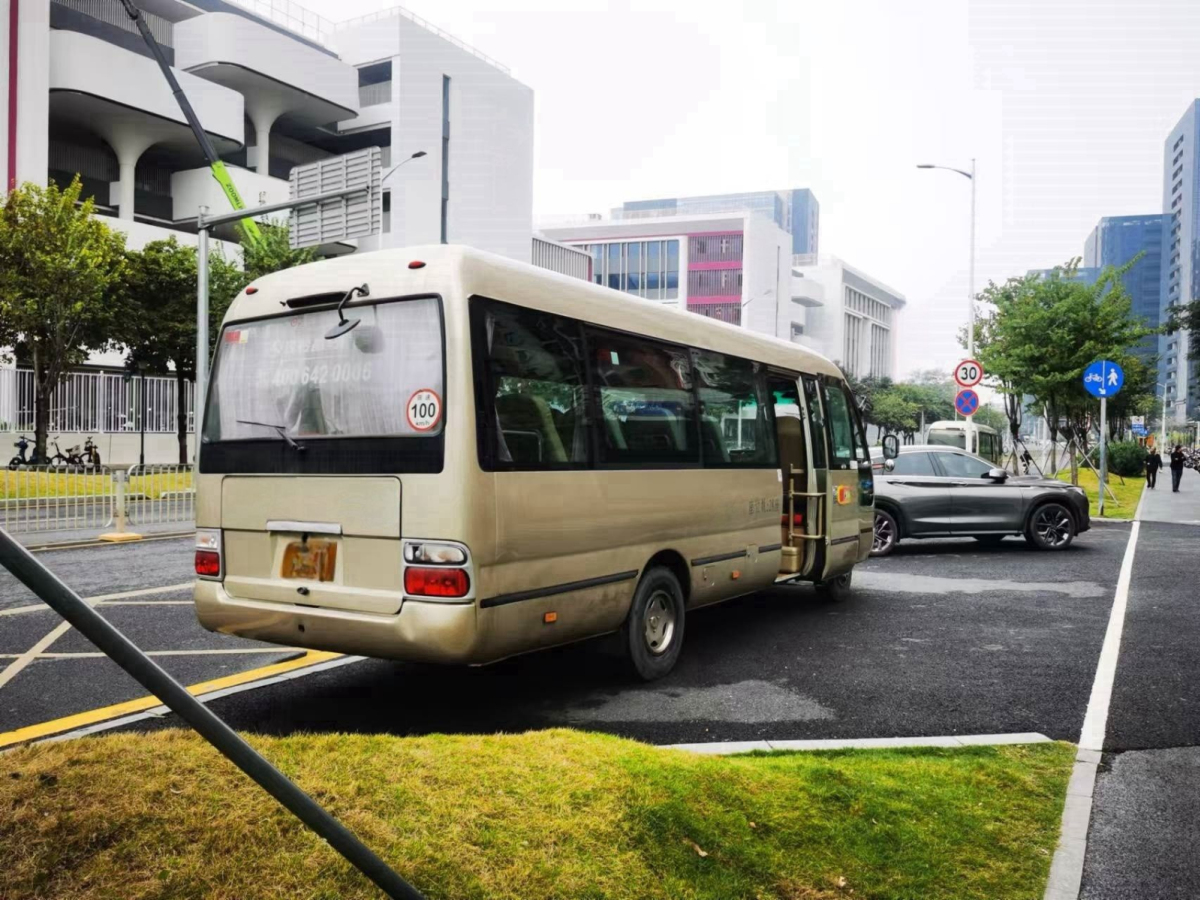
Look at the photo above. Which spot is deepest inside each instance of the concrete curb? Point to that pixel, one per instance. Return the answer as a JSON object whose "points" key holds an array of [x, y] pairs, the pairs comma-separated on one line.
{"points": [[95, 542], [722, 748]]}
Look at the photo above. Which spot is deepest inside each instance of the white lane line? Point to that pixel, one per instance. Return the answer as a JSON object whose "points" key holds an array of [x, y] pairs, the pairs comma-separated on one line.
{"points": [[159, 711], [14, 668], [1066, 869], [107, 598], [723, 748]]}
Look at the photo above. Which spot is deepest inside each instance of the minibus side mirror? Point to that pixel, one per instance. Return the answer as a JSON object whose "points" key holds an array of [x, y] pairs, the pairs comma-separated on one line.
{"points": [[891, 446]]}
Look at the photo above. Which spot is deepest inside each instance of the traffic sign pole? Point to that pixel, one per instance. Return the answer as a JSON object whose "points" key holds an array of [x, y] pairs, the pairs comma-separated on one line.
{"points": [[1103, 451], [967, 374]]}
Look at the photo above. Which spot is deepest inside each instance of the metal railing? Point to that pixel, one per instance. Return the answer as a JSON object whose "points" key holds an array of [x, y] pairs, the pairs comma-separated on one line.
{"points": [[94, 402], [56, 498], [83, 498], [160, 494]]}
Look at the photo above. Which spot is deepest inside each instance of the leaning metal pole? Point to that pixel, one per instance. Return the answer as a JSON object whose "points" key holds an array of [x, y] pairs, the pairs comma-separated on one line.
{"points": [[200, 382], [122, 651]]}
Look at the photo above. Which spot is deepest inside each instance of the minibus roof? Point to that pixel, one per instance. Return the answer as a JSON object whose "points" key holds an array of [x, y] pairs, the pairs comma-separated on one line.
{"points": [[475, 272]]}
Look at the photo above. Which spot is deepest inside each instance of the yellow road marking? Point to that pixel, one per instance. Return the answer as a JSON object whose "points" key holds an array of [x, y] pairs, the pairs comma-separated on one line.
{"points": [[92, 716]]}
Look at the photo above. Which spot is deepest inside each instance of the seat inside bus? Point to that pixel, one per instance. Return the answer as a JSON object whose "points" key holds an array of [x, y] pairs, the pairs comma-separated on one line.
{"points": [[528, 428]]}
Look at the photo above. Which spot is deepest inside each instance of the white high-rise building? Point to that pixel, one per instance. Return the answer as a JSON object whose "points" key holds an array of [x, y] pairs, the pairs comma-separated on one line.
{"points": [[272, 90]]}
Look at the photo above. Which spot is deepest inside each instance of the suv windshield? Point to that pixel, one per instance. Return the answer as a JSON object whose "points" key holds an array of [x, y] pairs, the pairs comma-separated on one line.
{"points": [[280, 376]]}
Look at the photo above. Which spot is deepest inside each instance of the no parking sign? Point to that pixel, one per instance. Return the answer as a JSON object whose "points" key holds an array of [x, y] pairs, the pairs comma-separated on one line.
{"points": [[967, 402]]}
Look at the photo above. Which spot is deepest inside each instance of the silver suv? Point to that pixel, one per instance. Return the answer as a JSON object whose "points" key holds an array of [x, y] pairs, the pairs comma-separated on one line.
{"points": [[936, 491]]}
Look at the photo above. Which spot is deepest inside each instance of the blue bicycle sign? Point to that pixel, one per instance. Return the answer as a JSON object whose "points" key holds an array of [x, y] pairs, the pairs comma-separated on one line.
{"points": [[1103, 378]]}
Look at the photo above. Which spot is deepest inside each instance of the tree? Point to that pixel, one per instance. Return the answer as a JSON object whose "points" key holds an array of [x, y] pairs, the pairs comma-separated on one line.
{"points": [[160, 332], [894, 412], [272, 253], [60, 275], [1043, 332]]}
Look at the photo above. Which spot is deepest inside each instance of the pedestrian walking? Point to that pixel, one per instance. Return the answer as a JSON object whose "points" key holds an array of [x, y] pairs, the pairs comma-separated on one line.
{"points": [[1177, 459], [1154, 462]]}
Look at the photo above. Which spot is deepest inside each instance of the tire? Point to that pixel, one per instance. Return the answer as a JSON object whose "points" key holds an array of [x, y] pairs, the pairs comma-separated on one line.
{"points": [[990, 540], [836, 589], [14, 463], [1050, 527], [653, 631], [886, 535]]}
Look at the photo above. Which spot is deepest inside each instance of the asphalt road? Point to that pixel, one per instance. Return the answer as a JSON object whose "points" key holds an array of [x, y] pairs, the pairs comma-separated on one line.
{"points": [[944, 637]]}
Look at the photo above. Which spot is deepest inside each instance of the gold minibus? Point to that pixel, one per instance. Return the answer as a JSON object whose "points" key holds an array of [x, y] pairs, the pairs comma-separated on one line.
{"points": [[441, 455]]}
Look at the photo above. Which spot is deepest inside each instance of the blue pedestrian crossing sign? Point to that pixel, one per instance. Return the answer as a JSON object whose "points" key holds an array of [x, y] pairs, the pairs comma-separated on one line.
{"points": [[967, 402], [1103, 378]]}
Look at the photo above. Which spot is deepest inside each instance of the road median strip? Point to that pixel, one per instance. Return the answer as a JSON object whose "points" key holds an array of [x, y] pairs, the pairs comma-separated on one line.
{"points": [[546, 814]]}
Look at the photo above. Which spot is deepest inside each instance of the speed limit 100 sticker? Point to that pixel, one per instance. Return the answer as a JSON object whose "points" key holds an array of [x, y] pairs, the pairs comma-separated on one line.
{"points": [[424, 410]]}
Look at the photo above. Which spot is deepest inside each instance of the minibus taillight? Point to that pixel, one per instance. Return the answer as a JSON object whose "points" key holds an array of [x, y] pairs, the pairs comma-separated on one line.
{"points": [[422, 582], [208, 552]]}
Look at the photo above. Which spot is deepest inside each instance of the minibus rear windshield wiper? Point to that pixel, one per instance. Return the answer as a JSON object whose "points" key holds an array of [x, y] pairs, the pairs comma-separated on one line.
{"points": [[281, 429]]}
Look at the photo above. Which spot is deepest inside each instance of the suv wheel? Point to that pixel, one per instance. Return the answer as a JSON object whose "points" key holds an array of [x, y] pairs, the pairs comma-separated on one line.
{"points": [[1050, 527], [886, 534]]}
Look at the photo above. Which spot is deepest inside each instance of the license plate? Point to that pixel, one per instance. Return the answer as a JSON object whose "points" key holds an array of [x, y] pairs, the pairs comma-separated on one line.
{"points": [[313, 561]]}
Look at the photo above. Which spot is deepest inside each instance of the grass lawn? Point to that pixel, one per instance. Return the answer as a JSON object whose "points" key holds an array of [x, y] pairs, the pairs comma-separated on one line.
{"points": [[552, 814], [1128, 491], [43, 484]]}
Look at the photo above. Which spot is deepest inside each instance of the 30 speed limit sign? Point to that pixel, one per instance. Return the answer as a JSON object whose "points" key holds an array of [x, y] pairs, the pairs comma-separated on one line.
{"points": [[968, 373]]}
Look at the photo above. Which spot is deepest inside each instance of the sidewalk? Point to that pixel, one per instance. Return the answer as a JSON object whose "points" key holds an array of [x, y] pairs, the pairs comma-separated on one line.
{"points": [[1144, 831], [1160, 505]]}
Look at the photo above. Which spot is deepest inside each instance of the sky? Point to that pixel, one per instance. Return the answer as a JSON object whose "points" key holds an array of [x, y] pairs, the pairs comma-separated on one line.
{"points": [[1064, 104]]}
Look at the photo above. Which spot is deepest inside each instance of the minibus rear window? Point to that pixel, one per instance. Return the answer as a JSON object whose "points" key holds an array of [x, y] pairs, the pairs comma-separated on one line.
{"points": [[281, 377]]}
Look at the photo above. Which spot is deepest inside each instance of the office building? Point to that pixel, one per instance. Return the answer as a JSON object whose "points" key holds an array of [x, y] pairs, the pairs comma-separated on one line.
{"points": [[737, 268], [853, 318], [274, 86], [795, 211], [1115, 241], [1181, 245]]}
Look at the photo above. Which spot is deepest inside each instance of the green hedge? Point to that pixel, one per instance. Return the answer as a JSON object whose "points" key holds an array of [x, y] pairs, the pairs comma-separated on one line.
{"points": [[1126, 458]]}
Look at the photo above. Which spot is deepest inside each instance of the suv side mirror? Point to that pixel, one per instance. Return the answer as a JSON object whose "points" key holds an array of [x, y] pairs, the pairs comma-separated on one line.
{"points": [[997, 474], [891, 446]]}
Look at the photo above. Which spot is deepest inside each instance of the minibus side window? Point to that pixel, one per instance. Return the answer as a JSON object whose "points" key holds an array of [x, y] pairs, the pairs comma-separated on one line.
{"points": [[735, 418], [646, 402], [533, 414]]}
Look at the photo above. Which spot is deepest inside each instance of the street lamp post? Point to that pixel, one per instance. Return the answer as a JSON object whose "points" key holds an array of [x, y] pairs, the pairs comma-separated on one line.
{"points": [[388, 173], [970, 176]]}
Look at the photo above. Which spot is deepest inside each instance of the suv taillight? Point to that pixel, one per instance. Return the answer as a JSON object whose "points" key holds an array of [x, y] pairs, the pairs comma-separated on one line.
{"points": [[208, 552]]}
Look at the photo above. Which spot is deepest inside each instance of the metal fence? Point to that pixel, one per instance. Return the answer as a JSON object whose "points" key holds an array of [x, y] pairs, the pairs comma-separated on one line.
{"points": [[94, 402], [82, 498]]}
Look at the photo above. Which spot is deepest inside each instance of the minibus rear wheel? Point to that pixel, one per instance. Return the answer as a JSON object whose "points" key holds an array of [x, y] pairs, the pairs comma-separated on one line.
{"points": [[653, 630]]}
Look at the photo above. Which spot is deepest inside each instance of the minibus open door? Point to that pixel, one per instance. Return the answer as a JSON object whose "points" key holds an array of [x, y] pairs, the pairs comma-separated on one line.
{"points": [[802, 525]]}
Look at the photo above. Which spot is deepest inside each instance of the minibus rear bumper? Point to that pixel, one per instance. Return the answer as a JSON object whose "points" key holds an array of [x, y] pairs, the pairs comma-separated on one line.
{"points": [[423, 631]]}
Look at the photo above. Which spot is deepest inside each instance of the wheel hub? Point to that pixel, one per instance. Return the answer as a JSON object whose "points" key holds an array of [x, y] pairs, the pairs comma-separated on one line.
{"points": [[660, 622]]}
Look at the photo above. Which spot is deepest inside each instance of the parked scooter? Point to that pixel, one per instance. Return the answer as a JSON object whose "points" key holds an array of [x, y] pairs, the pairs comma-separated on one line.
{"points": [[22, 445]]}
